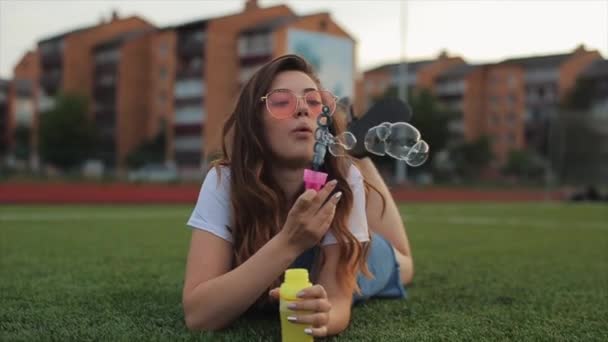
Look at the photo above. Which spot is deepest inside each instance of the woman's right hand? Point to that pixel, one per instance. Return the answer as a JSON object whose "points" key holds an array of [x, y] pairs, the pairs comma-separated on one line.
{"points": [[309, 219]]}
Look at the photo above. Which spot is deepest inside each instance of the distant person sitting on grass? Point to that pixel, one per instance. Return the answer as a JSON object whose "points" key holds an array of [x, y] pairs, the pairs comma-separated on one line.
{"points": [[253, 219]]}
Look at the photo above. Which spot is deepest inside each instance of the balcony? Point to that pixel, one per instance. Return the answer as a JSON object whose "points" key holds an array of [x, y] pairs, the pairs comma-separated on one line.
{"points": [[184, 73], [23, 88], [187, 143], [51, 61], [190, 48], [51, 82], [189, 115], [188, 102], [188, 129], [188, 158], [189, 88], [106, 68]]}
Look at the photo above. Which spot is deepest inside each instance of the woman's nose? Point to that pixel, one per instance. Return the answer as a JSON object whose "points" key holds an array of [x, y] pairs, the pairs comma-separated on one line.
{"points": [[302, 108]]}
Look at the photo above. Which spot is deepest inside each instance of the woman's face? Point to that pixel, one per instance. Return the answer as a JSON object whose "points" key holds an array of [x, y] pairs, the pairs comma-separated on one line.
{"points": [[291, 139]]}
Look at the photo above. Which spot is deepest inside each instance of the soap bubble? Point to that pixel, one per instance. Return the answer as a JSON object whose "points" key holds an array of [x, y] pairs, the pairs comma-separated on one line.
{"points": [[383, 130], [342, 143], [399, 140], [347, 139], [418, 154], [373, 143]]}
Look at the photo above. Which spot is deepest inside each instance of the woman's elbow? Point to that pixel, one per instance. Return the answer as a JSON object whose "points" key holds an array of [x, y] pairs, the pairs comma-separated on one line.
{"points": [[197, 320], [200, 323]]}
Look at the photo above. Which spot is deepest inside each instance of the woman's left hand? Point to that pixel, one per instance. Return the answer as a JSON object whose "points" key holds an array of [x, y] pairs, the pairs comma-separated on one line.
{"points": [[312, 309]]}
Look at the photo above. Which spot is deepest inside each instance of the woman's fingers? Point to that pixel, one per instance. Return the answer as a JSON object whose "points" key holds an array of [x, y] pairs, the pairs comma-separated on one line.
{"points": [[322, 196], [274, 293], [313, 305], [313, 292], [316, 320], [316, 332], [304, 202], [326, 213]]}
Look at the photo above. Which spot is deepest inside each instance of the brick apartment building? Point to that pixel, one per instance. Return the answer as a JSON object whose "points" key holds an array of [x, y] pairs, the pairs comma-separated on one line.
{"points": [[5, 97], [24, 106], [420, 75], [595, 79], [548, 79], [189, 75], [509, 101], [215, 57], [491, 99], [61, 63]]}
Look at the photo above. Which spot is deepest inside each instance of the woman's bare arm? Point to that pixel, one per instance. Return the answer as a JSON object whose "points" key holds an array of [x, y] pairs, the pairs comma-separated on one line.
{"points": [[389, 223], [214, 295], [340, 299]]}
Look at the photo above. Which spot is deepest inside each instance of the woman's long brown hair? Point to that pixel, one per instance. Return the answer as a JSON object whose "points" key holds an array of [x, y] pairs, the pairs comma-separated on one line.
{"points": [[258, 203]]}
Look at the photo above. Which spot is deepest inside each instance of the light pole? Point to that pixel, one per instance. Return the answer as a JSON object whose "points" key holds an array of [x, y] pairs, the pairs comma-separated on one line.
{"points": [[400, 166]]}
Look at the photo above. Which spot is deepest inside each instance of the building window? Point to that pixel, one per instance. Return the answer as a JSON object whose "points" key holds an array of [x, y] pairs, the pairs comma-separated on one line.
{"points": [[189, 88], [187, 143], [24, 111], [196, 63], [199, 36], [510, 138], [106, 80], [109, 56], [512, 81], [162, 98], [255, 45], [512, 100], [493, 119], [323, 25], [189, 115], [163, 73], [163, 49], [512, 118]]}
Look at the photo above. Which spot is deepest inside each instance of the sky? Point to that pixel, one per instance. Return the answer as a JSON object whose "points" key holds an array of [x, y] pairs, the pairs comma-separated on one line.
{"points": [[479, 31]]}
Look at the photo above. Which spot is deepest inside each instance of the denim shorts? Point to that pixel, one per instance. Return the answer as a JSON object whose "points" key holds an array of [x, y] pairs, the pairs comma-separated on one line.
{"points": [[382, 264]]}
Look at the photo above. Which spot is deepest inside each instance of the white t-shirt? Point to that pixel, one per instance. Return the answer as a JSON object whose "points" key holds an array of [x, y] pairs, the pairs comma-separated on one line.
{"points": [[213, 212]]}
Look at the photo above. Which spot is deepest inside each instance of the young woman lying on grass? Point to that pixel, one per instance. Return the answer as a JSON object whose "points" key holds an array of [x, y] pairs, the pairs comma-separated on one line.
{"points": [[253, 219]]}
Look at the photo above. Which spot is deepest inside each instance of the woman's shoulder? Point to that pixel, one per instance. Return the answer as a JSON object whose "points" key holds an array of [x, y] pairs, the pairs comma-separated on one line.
{"points": [[354, 174], [218, 175]]}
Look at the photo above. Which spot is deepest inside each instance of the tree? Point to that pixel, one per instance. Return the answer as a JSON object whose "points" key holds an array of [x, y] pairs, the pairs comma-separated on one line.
{"points": [[430, 118], [580, 97], [470, 158], [22, 142], [152, 151], [67, 135], [523, 164]]}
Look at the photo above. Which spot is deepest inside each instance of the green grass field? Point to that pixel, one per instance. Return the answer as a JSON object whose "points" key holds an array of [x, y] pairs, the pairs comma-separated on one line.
{"points": [[484, 272]]}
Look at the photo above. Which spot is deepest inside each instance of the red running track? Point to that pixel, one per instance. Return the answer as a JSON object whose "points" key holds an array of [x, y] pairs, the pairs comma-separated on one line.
{"points": [[123, 193]]}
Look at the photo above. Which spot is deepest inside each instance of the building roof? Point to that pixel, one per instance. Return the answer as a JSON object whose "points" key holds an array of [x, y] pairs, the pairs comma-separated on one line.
{"points": [[123, 38], [86, 28], [458, 71], [4, 83], [270, 25], [533, 62], [394, 67], [64, 34], [597, 69], [200, 23]]}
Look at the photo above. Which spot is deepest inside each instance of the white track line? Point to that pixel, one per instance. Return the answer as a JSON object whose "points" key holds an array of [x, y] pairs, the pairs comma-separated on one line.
{"points": [[58, 217], [500, 221]]}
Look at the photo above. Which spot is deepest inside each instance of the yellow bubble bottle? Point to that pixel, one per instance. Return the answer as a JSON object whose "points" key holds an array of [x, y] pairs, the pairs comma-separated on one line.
{"points": [[296, 279]]}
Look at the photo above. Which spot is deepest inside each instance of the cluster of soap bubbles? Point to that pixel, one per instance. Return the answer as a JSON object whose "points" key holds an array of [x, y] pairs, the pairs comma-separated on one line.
{"points": [[399, 140]]}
